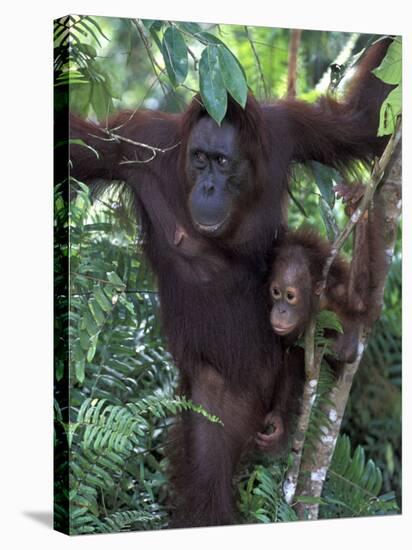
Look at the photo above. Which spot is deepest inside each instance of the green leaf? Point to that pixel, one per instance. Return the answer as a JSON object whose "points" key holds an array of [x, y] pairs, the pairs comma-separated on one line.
{"points": [[88, 49], [89, 323], [96, 311], [84, 339], [328, 218], [59, 369], [212, 87], [174, 52], [390, 110], [92, 349], [102, 299], [77, 351], [327, 319], [154, 35], [211, 39], [148, 23], [390, 69], [94, 22], [79, 370], [192, 28], [389, 455], [116, 281], [297, 203], [71, 429], [325, 178], [80, 142], [83, 144], [352, 485], [101, 100], [152, 24], [233, 78]]}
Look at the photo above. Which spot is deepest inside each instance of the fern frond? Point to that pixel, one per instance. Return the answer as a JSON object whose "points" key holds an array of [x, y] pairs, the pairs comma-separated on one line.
{"points": [[353, 485], [116, 428], [261, 496], [325, 320], [125, 521]]}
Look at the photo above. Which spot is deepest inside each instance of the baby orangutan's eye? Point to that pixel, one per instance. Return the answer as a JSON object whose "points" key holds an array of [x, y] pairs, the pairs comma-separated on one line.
{"points": [[291, 297], [276, 293]]}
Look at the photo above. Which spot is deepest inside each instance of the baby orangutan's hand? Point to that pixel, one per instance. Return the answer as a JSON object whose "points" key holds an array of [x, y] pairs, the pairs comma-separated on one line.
{"points": [[271, 439]]}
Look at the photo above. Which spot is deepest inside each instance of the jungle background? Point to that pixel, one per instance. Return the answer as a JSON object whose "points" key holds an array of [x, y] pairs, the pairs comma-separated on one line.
{"points": [[108, 345]]}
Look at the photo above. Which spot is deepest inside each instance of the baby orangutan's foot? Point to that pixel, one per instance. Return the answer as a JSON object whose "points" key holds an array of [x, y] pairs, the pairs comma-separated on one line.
{"points": [[350, 194]]}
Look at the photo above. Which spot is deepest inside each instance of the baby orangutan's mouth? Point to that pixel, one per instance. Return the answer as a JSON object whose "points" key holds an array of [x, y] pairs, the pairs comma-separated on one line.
{"points": [[283, 329]]}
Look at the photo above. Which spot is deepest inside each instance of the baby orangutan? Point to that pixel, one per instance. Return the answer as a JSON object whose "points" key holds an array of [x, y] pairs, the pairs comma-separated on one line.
{"points": [[296, 291], [295, 285]]}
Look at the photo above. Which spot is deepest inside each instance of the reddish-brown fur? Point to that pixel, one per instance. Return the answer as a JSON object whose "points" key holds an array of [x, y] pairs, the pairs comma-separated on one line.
{"points": [[349, 287], [308, 246], [305, 247], [216, 321]]}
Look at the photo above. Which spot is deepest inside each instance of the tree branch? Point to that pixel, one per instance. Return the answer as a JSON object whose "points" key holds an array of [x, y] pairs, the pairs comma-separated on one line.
{"points": [[157, 69], [142, 33], [293, 61], [315, 464], [312, 365], [258, 64], [377, 174], [117, 137]]}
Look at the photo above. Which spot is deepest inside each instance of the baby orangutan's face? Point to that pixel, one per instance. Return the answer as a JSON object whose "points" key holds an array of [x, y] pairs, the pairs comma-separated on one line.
{"points": [[290, 290]]}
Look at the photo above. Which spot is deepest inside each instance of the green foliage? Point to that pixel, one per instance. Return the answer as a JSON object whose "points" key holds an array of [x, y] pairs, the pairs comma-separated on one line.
{"points": [[353, 485], [211, 83], [75, 64], [325, 320], [373, 415], [390, 71], [175, 54], [103, 439], [233, 76], [219, 74], [261, 496], [120, 377], [325, 178]]}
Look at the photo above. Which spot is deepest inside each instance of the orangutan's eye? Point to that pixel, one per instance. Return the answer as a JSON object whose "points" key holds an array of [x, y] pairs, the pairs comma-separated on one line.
{"points": [[275, 293]]}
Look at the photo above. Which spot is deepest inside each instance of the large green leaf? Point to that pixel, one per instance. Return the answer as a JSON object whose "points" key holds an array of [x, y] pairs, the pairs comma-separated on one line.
{"points": [[212, 87], [210, 39], [233, 78], [390, 70], [174, 52], [390, 110], [101, 100]]}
